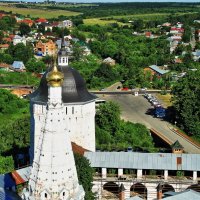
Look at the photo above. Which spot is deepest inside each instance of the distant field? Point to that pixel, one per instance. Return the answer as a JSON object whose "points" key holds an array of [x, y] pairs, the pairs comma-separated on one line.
{"points": [[146, 17], [37, 12], [100, 21]]}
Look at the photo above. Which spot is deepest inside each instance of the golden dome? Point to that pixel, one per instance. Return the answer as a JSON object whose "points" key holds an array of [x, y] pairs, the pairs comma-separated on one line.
{"points": [[54, 77]]}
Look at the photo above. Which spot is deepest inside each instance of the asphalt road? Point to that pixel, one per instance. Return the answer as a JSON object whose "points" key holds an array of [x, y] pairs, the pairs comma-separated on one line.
{"points": [[134, 109]]}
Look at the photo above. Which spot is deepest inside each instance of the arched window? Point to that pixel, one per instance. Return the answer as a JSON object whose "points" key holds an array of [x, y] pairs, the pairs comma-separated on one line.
{"points": [[63, 194], [45, 195]]}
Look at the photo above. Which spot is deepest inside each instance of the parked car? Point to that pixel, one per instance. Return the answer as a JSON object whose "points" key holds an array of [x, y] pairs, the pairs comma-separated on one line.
{"points": [[125, 89]]}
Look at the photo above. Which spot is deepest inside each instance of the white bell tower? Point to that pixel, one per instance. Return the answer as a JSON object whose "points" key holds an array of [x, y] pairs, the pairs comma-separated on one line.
{"points": [[63, 55], [53, 175]]}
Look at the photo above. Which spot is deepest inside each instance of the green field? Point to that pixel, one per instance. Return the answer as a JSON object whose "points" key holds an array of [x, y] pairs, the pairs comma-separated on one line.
{"points": [[100, 21], [146, 17], [44, 13]]}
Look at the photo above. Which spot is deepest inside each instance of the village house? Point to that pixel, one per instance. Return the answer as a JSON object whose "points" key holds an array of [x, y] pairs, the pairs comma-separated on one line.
{"points": [[46, 48], [66, 24], [159, 71], [18, 39], [196, 55], [18, 66], [198, 34], [3, 47], [166, 24], [39, 36], [5, 67], [109, 61], [29, 22], [176, 30], [40, 21]]}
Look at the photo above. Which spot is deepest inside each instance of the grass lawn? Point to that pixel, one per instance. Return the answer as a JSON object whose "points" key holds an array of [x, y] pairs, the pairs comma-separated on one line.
{"points": [[44, 13], [165, 99]]}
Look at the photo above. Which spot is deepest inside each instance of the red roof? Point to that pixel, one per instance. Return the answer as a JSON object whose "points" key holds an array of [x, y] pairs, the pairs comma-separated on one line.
{"points": [[7, 39], [177, 29], [26, 21], [18, 179], [40, 20], [78, 149], [4, 45], [11, 36]]}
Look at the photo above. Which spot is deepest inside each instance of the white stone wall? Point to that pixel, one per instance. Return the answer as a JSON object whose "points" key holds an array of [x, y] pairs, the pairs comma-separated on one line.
{"points": [[38, 114], [80, 122]]}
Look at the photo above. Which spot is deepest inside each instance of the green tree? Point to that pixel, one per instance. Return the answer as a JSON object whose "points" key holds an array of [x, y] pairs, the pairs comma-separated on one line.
{"points": [[186, 102], [108, 117], [34, 65], [24, 29], [85, 175], [6, 164], [21, 52]]}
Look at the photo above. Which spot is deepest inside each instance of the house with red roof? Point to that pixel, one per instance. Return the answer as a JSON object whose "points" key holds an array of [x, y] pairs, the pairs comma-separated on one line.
{"points": [[3, 47], [175, 30], [29, 22], [7, 39], [41, 20], [198, 34]]}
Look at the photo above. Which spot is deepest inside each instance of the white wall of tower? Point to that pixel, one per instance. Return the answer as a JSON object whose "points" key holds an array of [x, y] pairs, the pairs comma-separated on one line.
{"points": [[79, 120]]}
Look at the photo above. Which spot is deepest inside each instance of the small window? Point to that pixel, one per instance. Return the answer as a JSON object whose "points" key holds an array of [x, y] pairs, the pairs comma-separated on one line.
{"points": [[72, 110], [45, 195], [63, 194], [66, 111], [63, 60]]}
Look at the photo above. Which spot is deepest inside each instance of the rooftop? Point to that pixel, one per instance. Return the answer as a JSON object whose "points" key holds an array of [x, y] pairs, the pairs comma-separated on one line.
{"points": [[135, 160], [158, 69]]}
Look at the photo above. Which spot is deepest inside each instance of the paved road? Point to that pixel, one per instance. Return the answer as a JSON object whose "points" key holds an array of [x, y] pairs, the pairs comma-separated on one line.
{"points": [[134, 109]]}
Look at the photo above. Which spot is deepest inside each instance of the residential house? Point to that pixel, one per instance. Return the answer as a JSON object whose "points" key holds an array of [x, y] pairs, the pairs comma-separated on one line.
{"points": [[198, 34], [66, 24], [3, 47], [18, 66], [86, 51], [109, 61], [157, 70], [18, 39], [196, 55], [175, 30], [29, 22], [7, 40], [2, 15], [4, 67], [45, 48], [166, 24], [148, 34], [40, 21], [39, 36], [179, 25]]}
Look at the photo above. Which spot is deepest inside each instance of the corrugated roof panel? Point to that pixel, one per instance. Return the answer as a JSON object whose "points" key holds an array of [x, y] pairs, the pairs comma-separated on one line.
{"points": [[134, 160]]}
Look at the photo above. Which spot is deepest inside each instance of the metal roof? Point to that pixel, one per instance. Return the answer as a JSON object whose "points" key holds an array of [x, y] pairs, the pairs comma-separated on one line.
{"points": [[135, 160], [157, 69], [73, 89], [8, 195], [18, 65], [185, 195], [6, 181]]}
